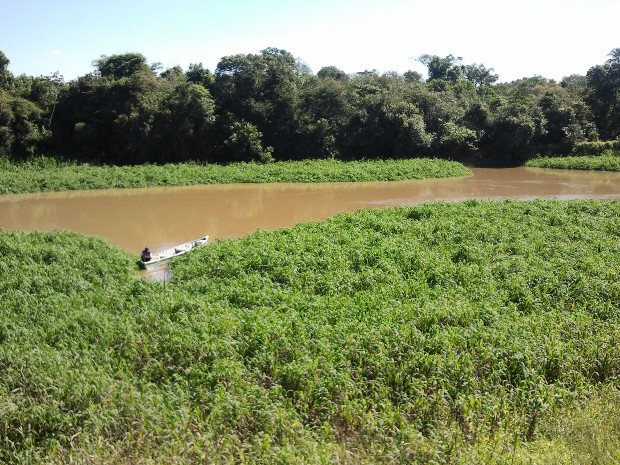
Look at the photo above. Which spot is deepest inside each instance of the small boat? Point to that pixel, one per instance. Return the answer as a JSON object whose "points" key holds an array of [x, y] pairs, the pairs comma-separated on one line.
{"points": [[168, 254]]}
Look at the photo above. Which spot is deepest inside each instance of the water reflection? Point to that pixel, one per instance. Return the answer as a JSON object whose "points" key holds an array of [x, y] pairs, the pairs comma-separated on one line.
{"points": [[163, 217]]}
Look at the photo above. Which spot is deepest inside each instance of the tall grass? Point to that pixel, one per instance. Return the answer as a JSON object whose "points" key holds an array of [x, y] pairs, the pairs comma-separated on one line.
{"points": [[477, 332], [595, 163], [48, 174]]}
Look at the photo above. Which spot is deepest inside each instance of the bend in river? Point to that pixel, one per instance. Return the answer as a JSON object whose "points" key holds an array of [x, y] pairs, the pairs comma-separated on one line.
{"points": [[163, 217]]}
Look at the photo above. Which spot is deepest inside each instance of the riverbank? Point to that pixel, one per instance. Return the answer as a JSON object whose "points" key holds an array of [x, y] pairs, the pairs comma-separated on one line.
{"points": [[48, 175], [163, 217], [593, 163], [471, 332]]}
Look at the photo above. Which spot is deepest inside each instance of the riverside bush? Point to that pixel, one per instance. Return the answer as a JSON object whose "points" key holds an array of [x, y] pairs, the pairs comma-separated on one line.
{"points": [[597, 163], [473, 332], [599, 147], [47, 174]]}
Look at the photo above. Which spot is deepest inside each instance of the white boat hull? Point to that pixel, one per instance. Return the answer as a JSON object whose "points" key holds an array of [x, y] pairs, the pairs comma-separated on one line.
{"points": [[165, 256]]}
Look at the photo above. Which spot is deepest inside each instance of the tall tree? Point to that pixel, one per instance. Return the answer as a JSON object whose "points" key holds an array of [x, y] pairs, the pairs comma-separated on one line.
{"points": [[324, 111], [175, 73], [183, 125], [332, 72], [479, 75], [22, 126], [5, 75], [385, 122], [615, 56], [124, 65], [604, 98], [101, 119], [412, 76], [261, 90], [446, 68], [514, 131], [198, 74], [563, 123], [245, 144]]}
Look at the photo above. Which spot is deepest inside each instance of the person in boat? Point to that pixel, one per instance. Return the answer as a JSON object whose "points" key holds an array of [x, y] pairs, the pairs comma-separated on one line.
{"points": [[145, 256]]}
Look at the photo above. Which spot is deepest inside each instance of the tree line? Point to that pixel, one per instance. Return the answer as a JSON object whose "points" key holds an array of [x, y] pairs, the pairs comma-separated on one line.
{"points": [[270, 106]]}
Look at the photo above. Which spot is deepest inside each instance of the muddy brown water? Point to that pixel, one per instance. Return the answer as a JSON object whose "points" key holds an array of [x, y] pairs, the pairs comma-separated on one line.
{"points": [[163, 217]]}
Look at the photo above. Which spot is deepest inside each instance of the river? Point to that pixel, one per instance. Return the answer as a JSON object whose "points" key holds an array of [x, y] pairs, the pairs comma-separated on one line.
{"points": [[163, 217]]}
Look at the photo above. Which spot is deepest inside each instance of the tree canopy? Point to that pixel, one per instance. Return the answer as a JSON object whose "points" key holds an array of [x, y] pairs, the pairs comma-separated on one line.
{"points": [[122, 66], [270, 106]]}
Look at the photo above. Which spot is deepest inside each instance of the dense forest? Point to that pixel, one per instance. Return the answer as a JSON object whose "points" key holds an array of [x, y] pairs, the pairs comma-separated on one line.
{"points": [[271, 106]]}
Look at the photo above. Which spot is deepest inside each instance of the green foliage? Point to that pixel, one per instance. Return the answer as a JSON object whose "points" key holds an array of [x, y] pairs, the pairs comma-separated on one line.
{"points": [[614, 56], [479, 75], [412, 76], [6, 78], [513, 133], [103, 119], [587, 155], [457, 139], [200, 75], [575, 434], [597, 147], [604, 98], [22, 126], [48, 174], [174, 74], [445, 69], [566, 121], [582, 162], [331, 72], [384, 122], [122, 66], [245, 144], [261, 90], [131, 119], [326, 107], [575, 83], [475, 332], [269, 106], [183, 125]]}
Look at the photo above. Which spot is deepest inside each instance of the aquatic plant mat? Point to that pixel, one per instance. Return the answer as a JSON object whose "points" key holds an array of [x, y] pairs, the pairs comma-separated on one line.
{"points": [[474, 332], [591, 163], [44, 174]]}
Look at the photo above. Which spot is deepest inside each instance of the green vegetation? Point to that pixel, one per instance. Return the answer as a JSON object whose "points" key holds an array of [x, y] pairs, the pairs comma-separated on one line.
{"points": [[599, 163], [474, 332], [47, 174], [588, 155], [269, 106], [599, 147]]}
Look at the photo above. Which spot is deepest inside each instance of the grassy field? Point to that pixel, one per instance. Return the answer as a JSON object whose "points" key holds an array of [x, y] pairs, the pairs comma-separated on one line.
{"points": [[598, 163], [48, 174], [474, 332]]}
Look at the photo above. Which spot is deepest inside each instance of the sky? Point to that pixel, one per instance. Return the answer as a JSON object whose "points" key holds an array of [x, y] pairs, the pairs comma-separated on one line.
{"points": [[549, 38]]}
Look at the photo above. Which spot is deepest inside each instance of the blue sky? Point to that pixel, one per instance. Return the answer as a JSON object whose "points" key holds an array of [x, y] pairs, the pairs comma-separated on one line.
{"points": [[552, 38]]}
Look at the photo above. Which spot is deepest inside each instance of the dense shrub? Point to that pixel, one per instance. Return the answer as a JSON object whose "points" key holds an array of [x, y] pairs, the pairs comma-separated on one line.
{"points": [[474, 332]]}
